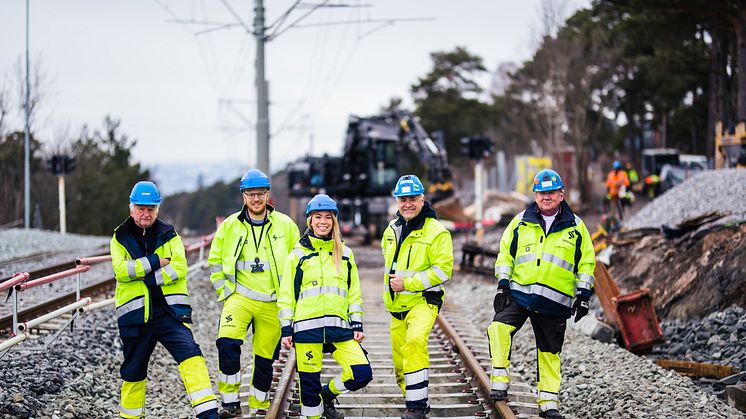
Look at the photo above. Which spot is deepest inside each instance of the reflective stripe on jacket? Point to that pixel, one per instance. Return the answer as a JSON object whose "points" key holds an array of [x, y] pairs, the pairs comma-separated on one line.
{"points": [[317, 303], [545, 271], [424, 259], [227, 248], [131, 268]]}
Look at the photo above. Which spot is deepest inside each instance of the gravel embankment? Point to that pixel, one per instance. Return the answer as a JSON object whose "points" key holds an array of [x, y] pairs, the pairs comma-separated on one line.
{"points": [[17, 242], [599, 380], [712, 190]]}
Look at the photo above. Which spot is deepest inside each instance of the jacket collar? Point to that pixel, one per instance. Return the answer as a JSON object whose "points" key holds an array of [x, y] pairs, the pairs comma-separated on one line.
{"points": [[565, 217], [163, 231], [242, 215], [311, 242]]}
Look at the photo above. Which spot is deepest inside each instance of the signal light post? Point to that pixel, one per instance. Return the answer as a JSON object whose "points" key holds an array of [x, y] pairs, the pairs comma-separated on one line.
{"points": [[59, 165], [478, 148]]}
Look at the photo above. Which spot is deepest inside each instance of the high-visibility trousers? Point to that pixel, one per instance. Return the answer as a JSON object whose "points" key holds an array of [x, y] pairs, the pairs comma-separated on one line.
{"points": [[356, 372], [138, 343], [240, 312], [409, 334], [549, 332]]}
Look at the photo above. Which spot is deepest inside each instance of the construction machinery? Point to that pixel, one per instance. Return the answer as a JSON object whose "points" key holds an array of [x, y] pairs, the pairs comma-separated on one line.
{"points": [[730, 146], [361, 179]]}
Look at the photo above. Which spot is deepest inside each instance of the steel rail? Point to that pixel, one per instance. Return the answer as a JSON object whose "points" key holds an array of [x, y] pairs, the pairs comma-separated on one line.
{"points": [[473, 366], [284, 387]]}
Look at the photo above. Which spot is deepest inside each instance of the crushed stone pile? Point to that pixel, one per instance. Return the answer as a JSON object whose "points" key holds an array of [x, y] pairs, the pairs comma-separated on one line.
{"points": [[716, 339], [721, 190]]}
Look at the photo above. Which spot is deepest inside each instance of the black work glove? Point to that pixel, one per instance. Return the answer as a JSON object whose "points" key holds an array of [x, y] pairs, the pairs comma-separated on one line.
{"points": [[580, 307], [502, 299]]}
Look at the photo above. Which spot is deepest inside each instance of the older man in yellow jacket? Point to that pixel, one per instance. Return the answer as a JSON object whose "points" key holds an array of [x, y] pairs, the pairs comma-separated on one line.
{"points": [[152, 305], [418, 254], [546, 258]]}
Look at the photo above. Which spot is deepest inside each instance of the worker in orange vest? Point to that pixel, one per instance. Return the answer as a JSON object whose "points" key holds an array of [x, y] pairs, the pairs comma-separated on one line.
{"points": [[617, 183]]}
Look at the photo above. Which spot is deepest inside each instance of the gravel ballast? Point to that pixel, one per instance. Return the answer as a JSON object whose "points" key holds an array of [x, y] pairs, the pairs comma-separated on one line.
{"points": [[712, 190], [598, 380]]}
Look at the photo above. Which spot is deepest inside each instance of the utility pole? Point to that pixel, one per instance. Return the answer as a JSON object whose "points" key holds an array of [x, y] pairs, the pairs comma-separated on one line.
{"points": [[262, 95], [26, 141]]}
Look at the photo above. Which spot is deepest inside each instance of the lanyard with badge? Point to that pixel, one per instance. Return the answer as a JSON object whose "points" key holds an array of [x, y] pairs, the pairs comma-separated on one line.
{"points": [[257, 267]]}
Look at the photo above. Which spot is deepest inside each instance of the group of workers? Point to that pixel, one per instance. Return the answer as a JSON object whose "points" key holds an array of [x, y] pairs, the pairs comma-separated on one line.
{"points": [[303, 291]]}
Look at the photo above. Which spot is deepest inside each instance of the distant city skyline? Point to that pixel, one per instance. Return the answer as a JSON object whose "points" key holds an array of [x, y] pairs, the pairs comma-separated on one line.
{"points": [[189, 97]]}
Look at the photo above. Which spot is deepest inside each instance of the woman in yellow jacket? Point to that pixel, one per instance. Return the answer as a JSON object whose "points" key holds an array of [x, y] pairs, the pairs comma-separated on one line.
{"points": [[321, 310]]}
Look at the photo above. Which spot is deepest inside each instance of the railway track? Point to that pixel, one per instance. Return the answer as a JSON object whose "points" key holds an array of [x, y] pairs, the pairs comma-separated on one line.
{"points": [[459, 371]]}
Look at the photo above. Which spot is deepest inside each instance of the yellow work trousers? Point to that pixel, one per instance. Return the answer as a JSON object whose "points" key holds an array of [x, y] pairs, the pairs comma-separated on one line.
{"points": [[239, 313], [410, 355], [549, 332], [356, 372], [198, 386]]}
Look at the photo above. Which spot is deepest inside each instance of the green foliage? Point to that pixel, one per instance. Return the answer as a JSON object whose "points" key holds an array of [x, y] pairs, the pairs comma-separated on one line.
{"points": [[447, 98], [196, 211], [96, 192]]}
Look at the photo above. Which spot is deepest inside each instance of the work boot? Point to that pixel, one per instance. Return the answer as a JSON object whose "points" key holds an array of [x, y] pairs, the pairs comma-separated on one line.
{"points": [[414, 414], [330, 411], [231, 411], [498, 395], [551, 414]]}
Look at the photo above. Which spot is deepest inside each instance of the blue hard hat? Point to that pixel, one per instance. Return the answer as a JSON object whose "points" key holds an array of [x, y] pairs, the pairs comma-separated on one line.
{"points": [[321, 202], [616, 165], [254, 178], [547, 180], [145, 193], [408, 185]]}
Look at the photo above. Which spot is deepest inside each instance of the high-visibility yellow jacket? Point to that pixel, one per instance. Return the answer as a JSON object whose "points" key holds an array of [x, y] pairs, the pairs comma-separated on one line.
{"points": [[420, 250], [317, 303], [134, 271], [545, 271], [233, 255]]}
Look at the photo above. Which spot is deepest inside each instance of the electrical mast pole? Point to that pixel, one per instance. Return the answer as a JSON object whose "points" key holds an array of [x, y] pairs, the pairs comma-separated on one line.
{"points": [[262, 100], [26, 141]]}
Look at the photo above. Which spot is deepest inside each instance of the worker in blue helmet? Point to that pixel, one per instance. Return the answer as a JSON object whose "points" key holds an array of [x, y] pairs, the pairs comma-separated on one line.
{"points": [[246, 260], [152, 305], [321, 310], [418, 256], [545, 272]]}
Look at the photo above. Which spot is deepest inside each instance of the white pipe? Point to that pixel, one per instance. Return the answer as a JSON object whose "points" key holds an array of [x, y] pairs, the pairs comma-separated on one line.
{"points": [[99, 304], [64, 310], [13, 341]]}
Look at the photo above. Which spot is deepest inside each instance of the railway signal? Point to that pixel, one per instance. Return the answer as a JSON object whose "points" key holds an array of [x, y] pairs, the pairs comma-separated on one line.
{"points": [[59, 165]]}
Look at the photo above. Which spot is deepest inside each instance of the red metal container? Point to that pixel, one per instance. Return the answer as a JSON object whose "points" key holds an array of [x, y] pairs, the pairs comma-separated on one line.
{"points": [[637, 321]]}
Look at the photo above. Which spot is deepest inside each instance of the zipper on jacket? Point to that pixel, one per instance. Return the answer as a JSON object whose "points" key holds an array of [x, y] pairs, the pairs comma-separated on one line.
{"points": [[409, 254], [238, 246]]}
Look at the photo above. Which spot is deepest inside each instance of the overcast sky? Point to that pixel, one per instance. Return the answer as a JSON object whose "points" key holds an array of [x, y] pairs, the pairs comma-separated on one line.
{"points": [[189, 97]]}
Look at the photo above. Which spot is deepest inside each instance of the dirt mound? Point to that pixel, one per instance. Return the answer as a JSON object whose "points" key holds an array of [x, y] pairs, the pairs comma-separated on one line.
{"points": [[691, 276]]}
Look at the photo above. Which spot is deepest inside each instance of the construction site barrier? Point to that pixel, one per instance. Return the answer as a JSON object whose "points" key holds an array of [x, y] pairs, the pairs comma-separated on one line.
{"points": [[51, 278], [14, 280], [20, 282], [95, 260], [99, 304], [26, 326]]}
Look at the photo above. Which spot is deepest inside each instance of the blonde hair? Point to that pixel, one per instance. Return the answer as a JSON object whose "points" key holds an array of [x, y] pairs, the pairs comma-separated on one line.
{"points": [[336, 237]]}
